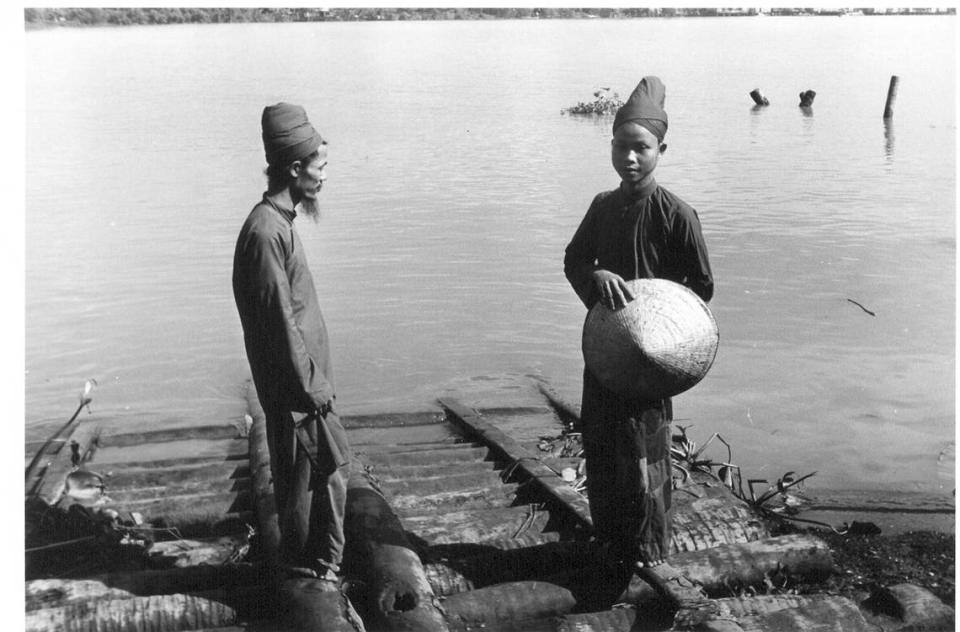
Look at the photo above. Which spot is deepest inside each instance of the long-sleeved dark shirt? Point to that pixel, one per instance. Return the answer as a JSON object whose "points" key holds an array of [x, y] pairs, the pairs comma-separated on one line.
{"points": [[283, 329], [652, 235]]}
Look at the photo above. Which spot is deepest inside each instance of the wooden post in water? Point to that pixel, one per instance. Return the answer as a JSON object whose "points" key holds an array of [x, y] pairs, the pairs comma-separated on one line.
{"points": [[806, 98], [891, 97], [758, 98]]}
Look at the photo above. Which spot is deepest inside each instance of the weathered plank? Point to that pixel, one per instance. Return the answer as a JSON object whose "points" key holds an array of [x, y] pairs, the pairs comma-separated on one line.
{"points": [[403, 435], [448, 455], [392, 420], [211, 449], [475, 526], [140, 477], [208, 432], [546, 478]]}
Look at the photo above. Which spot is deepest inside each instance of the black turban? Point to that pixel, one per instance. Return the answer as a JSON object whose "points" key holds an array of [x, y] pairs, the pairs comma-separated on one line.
{"points": [[287, 134], [645, 107]]}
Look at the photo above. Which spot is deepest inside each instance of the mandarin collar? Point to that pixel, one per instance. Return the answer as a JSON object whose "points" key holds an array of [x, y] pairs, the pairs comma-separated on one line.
{"points": [[288, 213], [631, 198]]}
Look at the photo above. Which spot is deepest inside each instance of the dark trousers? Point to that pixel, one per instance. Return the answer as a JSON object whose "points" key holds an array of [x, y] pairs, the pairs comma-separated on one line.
{"points": [[310, 503], [627, 447]]}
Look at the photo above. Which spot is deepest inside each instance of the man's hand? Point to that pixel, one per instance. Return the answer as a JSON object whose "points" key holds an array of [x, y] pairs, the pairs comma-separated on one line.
{"points": [[326, 408], [614, 292]]}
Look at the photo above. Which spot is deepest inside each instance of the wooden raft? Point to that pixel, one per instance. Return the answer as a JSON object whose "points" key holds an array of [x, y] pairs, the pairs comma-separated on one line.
{"points": [[455, 521]]}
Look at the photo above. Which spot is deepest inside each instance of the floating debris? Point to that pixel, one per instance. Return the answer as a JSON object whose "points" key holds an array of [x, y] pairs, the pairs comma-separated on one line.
{"points": [[605, 102]]}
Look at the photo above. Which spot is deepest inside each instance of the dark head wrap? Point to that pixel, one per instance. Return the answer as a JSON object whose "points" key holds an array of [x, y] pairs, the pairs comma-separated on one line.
{"points": [[287, 134], [645, 107]]}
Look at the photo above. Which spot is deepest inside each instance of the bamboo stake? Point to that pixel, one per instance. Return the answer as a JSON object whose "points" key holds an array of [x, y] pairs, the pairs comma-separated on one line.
{"points": [[891, 97], [85, 399]]}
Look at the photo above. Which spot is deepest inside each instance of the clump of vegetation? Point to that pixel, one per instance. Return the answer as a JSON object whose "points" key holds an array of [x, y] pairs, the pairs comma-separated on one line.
{"points": [[605, 102]]}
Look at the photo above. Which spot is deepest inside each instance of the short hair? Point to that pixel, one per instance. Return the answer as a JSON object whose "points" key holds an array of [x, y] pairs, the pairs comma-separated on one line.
{"points": [[278, 175]]}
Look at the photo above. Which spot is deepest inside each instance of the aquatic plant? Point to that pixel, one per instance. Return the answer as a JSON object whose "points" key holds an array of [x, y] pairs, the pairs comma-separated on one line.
{"points": [[686, 457], [605, 102]]}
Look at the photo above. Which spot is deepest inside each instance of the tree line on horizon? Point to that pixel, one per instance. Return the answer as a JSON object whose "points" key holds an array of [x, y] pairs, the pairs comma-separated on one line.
{"points": [[97, 16], [93, 16]]}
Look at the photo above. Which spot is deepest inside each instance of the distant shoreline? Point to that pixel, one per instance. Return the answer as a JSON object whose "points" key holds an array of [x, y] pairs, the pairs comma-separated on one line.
{"points": [[45, 18]]}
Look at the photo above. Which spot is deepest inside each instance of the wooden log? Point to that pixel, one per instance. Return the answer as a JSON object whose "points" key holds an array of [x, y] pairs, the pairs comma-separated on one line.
{"points": [[913, 606], [544, 478], [831, 613], [169, 613], [507, 602], [450, 569], [891, 97], [523, 540], [445, 579], [620, 619], [714, 519], [757, 605], [200, 521], [264, 501], [719, 569], [50, 593], [477, 526], [400, 597], [304, 603], [316, 606], [194, 552], [55, 593], [758, 97]]}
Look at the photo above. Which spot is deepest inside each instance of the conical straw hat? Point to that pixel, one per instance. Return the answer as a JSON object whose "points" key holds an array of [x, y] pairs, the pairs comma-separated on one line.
{"points": [[661, 344]]}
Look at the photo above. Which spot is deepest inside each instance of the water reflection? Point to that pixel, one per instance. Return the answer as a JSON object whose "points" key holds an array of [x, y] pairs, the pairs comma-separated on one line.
{"points": [[888, 137]]}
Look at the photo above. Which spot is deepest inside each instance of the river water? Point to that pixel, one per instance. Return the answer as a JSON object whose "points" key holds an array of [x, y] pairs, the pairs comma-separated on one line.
{"points": [[455, 183]]}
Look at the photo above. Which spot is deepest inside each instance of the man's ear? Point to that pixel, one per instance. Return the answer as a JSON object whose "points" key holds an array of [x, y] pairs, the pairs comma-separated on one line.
{"points": [[295, 167], [663, 148]]}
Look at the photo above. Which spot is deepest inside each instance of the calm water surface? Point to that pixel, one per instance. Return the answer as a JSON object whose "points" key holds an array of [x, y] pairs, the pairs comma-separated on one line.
{"points": [[455, 184]]}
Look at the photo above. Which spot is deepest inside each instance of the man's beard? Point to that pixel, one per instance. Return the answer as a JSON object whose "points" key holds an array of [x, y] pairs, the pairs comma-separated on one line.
{"points": [[311, 208]]}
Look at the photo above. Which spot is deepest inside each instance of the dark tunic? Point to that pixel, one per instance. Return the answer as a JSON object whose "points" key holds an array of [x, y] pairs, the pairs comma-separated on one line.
{"points": [[283, 329], [654, 234], [289, 355]]}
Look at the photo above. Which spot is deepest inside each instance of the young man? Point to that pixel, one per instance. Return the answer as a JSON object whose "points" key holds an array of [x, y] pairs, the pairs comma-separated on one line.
{"points": [[636, 231], [288, 349]]}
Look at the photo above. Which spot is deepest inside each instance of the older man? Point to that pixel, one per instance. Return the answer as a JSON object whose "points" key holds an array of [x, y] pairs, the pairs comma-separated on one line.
{"points": [[288, 349]]}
